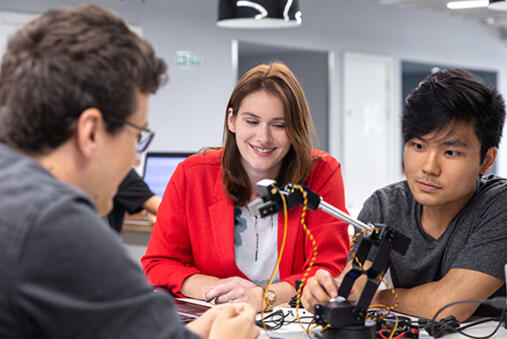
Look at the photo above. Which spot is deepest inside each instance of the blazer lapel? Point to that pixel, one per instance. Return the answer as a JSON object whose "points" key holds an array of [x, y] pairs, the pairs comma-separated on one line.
{"points": [[222, 230], [293, 225]]}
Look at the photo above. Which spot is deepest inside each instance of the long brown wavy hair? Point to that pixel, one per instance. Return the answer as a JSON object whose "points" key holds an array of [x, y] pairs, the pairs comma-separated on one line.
{"points": [[278, 80]]}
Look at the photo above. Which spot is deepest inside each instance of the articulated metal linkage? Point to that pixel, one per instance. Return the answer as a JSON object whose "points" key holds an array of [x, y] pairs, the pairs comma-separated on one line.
{"points": [[270, 202]]}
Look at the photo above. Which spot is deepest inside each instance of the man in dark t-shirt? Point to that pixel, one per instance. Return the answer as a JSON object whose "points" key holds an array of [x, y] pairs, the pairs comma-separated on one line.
{"points": [[455, 216], [133, 196]]}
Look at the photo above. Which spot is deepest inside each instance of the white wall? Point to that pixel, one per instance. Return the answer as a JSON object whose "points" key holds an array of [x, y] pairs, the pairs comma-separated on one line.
{"points": [[188, 113]]}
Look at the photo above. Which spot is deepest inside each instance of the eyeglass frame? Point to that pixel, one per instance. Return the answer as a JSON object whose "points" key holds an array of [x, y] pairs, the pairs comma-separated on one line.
{"points": [[142, 143]]}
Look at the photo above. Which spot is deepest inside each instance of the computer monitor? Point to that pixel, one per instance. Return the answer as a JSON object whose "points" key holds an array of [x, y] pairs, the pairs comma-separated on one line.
{"points": [[159, 167]]}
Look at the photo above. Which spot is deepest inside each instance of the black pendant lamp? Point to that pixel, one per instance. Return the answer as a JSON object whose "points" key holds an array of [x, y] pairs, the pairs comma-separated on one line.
{"points": [[258, 13], [498, 5]]}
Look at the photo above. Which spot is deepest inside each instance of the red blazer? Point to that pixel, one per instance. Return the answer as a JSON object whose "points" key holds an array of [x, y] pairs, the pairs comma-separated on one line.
{"points": [[194, 231]]}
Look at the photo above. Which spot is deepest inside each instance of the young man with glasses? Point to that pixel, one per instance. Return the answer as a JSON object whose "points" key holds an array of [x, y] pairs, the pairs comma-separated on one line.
{"points": [[74, 86]]}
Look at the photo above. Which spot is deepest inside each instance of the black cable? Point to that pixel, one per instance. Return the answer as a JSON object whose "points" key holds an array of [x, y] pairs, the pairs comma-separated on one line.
{"points": [[477, 322], [484, 337], [498, 302], [277, 319], [425, 323]]}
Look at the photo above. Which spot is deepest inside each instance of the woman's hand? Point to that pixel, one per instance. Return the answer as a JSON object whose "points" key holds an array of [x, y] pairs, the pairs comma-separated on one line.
{"points": [[235, 289]]}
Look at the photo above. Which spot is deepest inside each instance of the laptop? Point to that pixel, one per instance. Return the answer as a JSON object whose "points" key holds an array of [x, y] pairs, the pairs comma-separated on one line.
{"points": [[159, 167], [189, 309]]}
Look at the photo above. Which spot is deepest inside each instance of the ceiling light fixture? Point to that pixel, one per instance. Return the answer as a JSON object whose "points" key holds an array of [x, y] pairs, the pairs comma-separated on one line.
{"points": [[467, 4], [259, 14], [498, 5]]}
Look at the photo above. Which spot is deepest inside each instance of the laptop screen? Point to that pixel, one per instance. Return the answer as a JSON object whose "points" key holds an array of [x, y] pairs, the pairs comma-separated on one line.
{"points": [[158, 168]]}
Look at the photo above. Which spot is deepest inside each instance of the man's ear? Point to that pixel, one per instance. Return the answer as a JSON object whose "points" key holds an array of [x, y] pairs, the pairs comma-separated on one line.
{"points": [[231, 119], [88, 127], [489, 160]]}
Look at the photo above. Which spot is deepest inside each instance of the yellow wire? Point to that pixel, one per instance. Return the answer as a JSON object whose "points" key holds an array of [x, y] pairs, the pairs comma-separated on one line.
{"points": [[310, 328], [393, 291], [308, 269], [282, 246], [381, 316], [312, 260], [325, 328], [395, 327]]}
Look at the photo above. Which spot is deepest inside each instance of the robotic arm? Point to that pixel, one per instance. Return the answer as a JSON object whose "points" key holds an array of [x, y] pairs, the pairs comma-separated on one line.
{"points": [[346, 319]]}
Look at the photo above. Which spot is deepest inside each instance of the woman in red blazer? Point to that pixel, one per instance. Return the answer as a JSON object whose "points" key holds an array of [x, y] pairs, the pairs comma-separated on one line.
{"points": [[206, 245]]}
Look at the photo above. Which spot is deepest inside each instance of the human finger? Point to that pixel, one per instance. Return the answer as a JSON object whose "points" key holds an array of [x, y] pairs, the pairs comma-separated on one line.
{"points": [[241, 282], [218, 290], [319, 289], [327, 282], [239, 325], [321, 286], [246, 317], [226, 298]]}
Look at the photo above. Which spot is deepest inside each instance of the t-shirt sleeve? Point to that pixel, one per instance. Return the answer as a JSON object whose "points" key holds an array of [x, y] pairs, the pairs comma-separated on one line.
{"points": [[486, 248], [76, 280], [132, 193]]}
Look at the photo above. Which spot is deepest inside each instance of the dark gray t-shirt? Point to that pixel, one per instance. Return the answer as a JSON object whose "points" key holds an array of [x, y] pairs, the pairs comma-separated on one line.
{"points": [[476, 239], [64, 272]]}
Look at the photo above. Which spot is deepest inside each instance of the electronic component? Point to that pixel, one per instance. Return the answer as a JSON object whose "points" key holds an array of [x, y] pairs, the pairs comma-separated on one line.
{"points": [[342, 318]]}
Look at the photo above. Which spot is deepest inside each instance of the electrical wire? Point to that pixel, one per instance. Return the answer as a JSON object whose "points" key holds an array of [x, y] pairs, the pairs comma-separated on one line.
{"points": [[314, 253], [308, 331], [278, 319], [394, 327], [477, 322], [392, 289], [282, 247], [495, 302]]}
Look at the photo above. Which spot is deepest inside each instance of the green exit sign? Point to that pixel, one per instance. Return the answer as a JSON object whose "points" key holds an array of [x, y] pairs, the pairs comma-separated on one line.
{"points": [[187, 59]]}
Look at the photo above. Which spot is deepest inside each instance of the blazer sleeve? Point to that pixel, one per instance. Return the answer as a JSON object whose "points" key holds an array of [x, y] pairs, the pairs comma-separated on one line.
{"points": [[330, 234], [168, 260]]}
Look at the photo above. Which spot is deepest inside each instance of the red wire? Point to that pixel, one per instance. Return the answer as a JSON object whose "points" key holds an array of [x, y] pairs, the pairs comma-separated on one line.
{"points": [[399, 336]]}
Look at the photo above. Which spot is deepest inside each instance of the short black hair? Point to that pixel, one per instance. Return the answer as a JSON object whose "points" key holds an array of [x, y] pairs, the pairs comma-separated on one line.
{"points": [[451, 96], [66, 61]]}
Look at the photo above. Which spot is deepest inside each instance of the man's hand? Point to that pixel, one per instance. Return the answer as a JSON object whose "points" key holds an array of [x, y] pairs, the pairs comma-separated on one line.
{"points": [[235, 289], [222, 321], [202, 325], [319, 289], [236, 321], [322, 287]]}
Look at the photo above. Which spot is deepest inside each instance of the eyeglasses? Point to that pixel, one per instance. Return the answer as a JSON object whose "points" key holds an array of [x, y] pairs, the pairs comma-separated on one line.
{"points": [[145, 136]]}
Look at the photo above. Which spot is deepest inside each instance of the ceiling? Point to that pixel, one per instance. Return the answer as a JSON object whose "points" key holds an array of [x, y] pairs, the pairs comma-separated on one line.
{"points": [[495, 19]]}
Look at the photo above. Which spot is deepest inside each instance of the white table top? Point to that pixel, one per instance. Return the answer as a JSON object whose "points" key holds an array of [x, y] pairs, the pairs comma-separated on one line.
{"points": [[294, 330]]}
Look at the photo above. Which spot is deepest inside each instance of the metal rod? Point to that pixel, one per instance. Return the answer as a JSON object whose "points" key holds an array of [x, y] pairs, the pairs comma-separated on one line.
{"points": [[335, 212]]}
